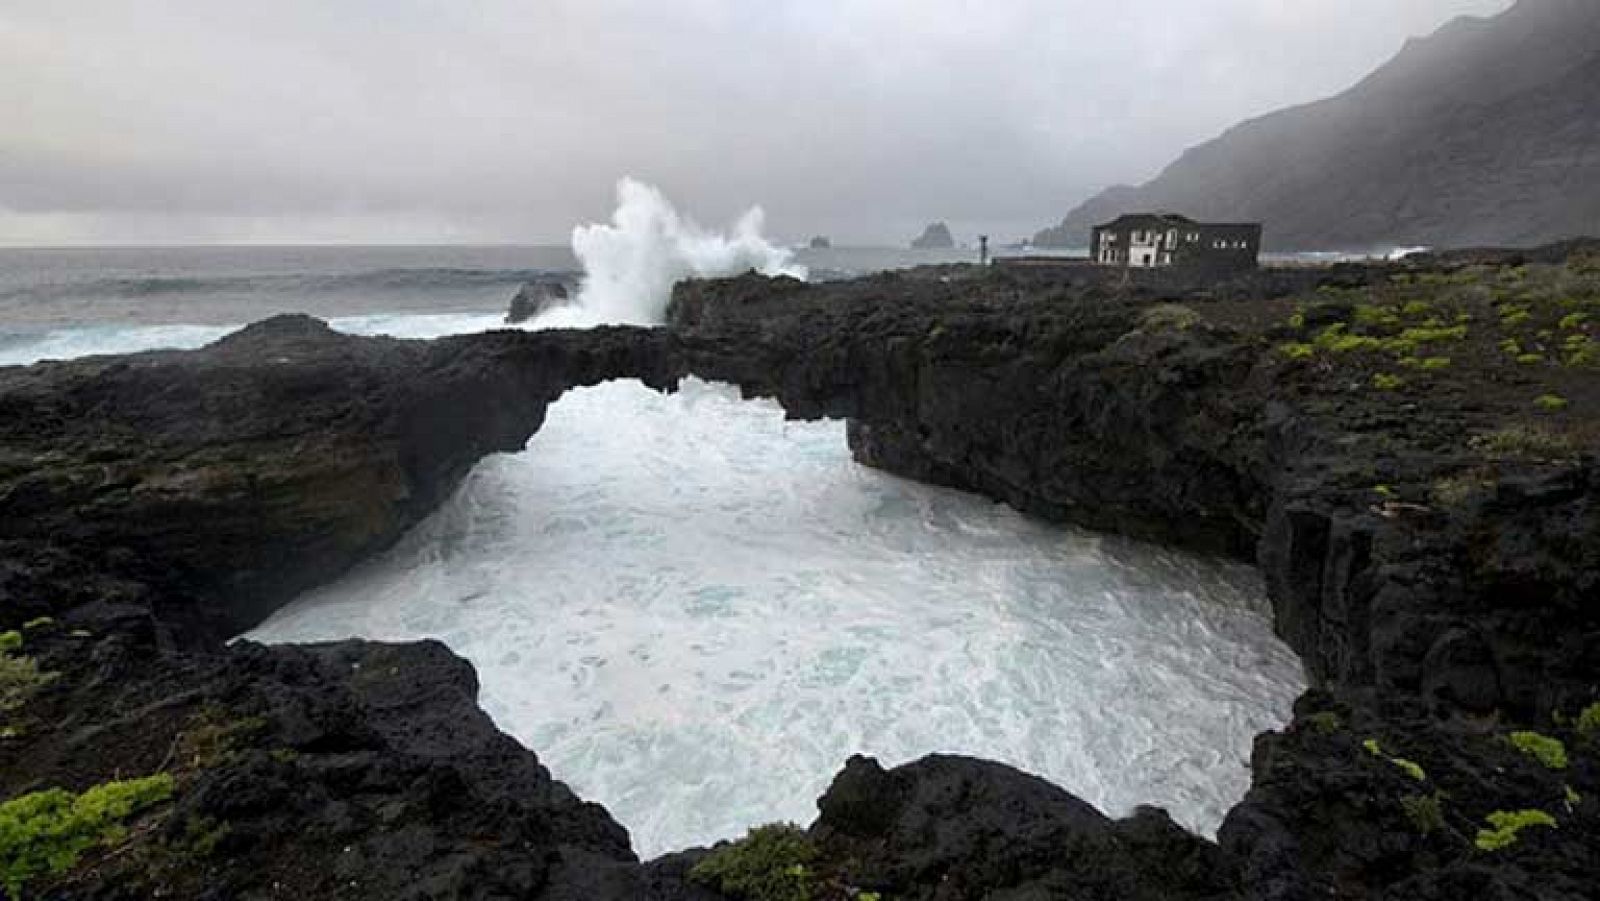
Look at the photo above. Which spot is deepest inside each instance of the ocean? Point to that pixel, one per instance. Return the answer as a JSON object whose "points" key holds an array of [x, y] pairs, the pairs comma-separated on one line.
{"points": [[62, 303]]}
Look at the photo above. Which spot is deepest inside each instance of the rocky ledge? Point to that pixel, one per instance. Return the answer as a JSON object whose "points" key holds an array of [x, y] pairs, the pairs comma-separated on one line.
{"points": [[1408, 452]]}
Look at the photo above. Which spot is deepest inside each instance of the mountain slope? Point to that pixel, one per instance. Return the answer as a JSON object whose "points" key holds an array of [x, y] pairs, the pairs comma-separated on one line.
{"points": [[1487, 132]]}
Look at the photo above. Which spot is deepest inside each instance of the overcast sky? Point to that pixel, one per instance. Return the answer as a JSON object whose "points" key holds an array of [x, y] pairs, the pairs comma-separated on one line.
{"points": [[143, 121]]}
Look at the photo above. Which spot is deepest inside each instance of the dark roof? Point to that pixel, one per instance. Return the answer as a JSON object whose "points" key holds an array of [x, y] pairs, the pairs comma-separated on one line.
{"points": [[1128, 220], [1166, 220]]}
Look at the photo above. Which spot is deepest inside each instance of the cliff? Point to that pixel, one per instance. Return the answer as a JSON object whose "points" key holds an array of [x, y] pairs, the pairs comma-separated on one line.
{"points": [[1408, 453], [1485, 133]]}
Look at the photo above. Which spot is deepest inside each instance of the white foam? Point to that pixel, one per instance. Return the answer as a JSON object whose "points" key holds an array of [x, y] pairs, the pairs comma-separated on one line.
{"points": [[694, 612], [631, 264], [69, 343]]}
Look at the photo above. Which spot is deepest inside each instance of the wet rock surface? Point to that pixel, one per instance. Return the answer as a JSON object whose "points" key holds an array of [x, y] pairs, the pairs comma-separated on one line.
{"points": [[1432, 550]]}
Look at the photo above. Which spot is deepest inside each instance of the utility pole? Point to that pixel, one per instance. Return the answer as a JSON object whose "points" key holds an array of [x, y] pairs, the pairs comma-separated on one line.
{"points": [[983, 250]]}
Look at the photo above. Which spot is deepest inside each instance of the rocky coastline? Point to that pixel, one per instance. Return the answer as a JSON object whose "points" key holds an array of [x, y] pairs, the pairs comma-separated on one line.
{"points": [[1430, 536]]}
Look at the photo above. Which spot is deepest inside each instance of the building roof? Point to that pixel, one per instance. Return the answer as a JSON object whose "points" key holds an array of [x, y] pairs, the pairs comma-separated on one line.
{"points": [[1167, 220]]}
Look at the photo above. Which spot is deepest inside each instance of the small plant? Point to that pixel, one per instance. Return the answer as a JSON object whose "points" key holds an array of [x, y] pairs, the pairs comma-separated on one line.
{"points": [[1550, 403], [771, 863], [1505, 824], [1548, 751], [1456, 491], [1571, 798], [1409, 767], [38, 623], [10, 641], [1426, 812], [1297, 351], [1530, 359], [1297, 321], [1524, 442], [44, 833], [1589, 721], [1435, 364], [1383, 381], [213, 736], [1573, 321]]}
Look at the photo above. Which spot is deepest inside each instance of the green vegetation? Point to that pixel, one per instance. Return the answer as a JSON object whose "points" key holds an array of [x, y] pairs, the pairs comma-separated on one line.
{"points": [[1169, 316], [1550, 403], [214, 736], [1589, 721], [44, 833], [1426, 812], [1409, 767], [1548, 751], [771, 863], [1506, 824], [1522, 442], [38, 623], [1570, 798], [20, 677], [1296, 351], [1456, 491], [1383, 381]]}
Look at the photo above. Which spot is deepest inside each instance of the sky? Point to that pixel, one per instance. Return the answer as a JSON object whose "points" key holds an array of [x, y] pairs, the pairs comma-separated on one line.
{"points": [[510, 121]]}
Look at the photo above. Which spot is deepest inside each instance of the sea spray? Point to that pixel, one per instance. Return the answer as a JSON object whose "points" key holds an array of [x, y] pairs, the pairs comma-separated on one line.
{"points": [[631, 264]]}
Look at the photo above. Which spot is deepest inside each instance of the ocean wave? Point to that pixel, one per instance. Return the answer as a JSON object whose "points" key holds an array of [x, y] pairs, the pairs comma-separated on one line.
{"points": [[373, 280]]}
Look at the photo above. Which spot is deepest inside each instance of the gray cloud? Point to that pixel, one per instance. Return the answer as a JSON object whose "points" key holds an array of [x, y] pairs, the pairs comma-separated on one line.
{"points": [[493, 120]]}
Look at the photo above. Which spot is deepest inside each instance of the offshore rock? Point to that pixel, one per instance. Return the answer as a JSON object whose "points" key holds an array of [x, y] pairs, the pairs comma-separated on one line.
{"points": [[539, 297]]}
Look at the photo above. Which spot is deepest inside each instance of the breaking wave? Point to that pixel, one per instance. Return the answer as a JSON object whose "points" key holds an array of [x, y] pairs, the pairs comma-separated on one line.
{"points": [[631, 264]]}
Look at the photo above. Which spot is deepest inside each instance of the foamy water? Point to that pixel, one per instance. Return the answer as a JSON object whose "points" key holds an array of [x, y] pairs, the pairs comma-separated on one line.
{"points": [[694, 612]]}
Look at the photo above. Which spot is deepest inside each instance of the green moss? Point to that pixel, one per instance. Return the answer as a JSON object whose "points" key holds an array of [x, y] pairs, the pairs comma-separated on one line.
{"points": [[1410, 768], [1550, 403], [1530, 359], [1384, 381], [1426, 812], [1335, 340], [771, 863], [1505, 824], [214, 736], [1548, 751], [1297, 351], [20, 679], [38, 623], [1435, 364], [1374, 315], [44, 833], [1417, 308], [1589, 721], [10, 641], [1523, 442]]}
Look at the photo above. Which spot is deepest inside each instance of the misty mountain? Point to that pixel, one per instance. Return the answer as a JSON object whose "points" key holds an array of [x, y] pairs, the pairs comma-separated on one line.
{"points": [[1486, 132]]}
